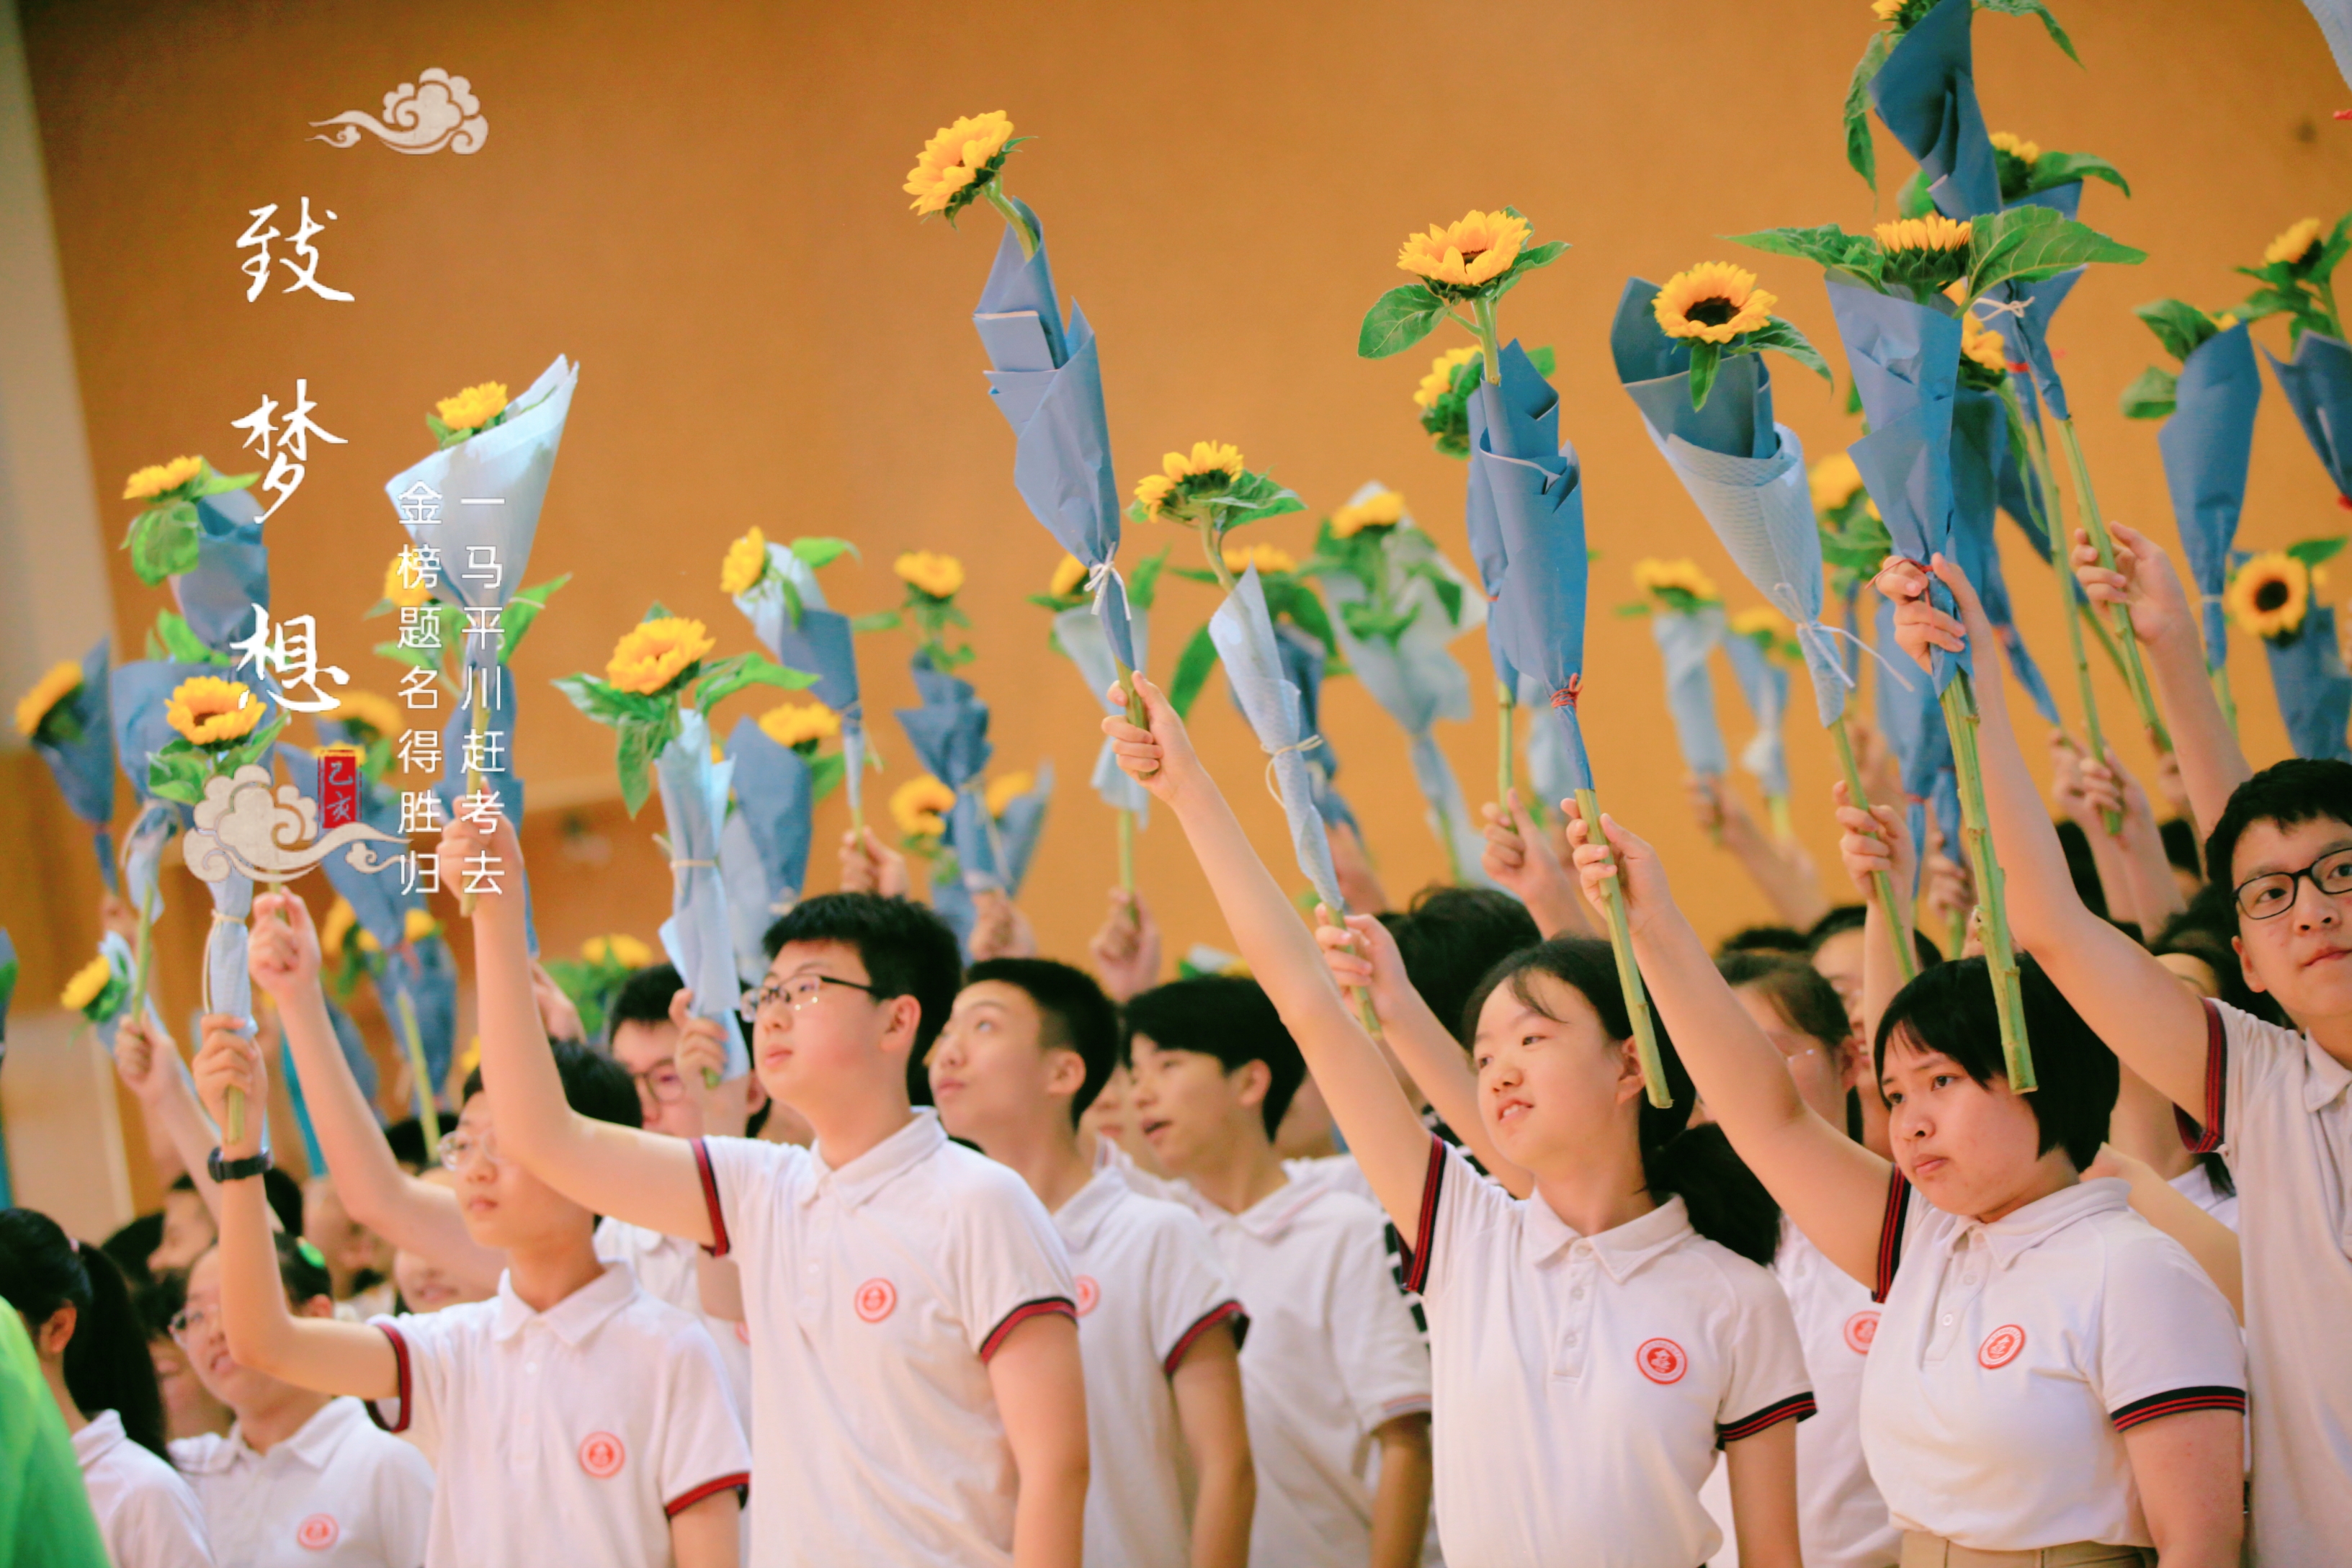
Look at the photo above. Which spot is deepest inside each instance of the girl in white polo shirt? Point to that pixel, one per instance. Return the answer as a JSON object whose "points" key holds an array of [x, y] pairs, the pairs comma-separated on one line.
{"points": [[1592, 1346], [2052, 1380]]}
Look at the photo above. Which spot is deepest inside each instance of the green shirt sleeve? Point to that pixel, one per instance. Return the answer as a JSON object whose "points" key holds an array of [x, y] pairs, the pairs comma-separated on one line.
{"points": [[44, 1516]]}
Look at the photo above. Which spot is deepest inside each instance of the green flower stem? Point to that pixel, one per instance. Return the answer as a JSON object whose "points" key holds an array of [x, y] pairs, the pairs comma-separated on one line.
{"points": [[1126, 856], [1212, 542], [1882, 884], [1976, 833], [1776, 810], [2090, 618], [412, 1042], [2327, 286], [1489, 339], [994, 191], [2219, 675], [2086, 502], [1629, 974], [143, 952], [1506, 783], [1956, 933]]}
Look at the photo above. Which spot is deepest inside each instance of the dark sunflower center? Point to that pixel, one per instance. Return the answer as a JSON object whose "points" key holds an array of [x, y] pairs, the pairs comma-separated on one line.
{"points": [[1713, 311], [2271, 595]]}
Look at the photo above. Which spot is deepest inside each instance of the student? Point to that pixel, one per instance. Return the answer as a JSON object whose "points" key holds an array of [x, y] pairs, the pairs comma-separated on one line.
{"points": [[1590, 1348], [420, 1284], [301, 1480], [574, 1418], [189, 1408], [2050, 1374], [1028, 1046], [42, 1499], [2274, 1101], [1334, 1375], [916, 1390], [93, 1356]]}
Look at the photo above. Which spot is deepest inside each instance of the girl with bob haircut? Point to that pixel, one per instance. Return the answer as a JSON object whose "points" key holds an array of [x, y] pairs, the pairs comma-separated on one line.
{"points": [[1593, 1344]]}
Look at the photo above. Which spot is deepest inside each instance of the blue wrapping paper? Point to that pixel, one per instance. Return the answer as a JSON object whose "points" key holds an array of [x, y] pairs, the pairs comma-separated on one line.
{"points": [[1687, 641], [2315, 695], [374, 896], [1020, 827], [950, 735], [427, 974], [1302, 667], [822, 645], [696, 936], [1478, 517], [158, 822], [498, 719], [1047, 382], [1764, 687], [84, 766], [1925, 95], [1979, 440], [356, 1061], [1912, 719], [2025, 332], [1244, 637], [2318, 386], [1549, 772], [1655, 373], [747, 893], [217, 596], [1080, 632], [774, 797], [1905, 358], [2208, 446]]}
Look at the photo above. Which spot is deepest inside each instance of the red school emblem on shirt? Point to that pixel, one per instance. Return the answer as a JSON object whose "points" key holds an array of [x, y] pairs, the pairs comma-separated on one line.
{"points": [[875, 1299], [1859, 1330], [1087, 1292], [2001, 1347], [1660, 1359], [601, 1455], [317, 1532]]}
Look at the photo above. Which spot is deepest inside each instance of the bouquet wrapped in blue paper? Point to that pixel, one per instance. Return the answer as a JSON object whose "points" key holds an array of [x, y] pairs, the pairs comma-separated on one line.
{"points": [[1246, 644], [950, 736], [64, 716], [763, 849], [1918, 73], [1687, 621], [698, 937], [776, 586], [2273, 596], [1081, 634], [2297, 277], [100, 989], [1755, 641]]}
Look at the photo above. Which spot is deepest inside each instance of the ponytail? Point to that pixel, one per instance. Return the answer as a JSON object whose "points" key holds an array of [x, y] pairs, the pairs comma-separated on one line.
{"points": [[1726, 1204], [107, 1363]]}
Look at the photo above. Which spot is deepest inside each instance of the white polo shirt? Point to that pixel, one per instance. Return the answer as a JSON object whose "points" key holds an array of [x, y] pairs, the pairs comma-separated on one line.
{"points": [[1149, 1285], [665, 1267], [2011, 1357], [1842, 1520], [876, 1293], [1332, 1356], [1584, 1383], [2195, 1184], [148, 1516], [572, 1435], [2277, 1106], [337, 1494]]}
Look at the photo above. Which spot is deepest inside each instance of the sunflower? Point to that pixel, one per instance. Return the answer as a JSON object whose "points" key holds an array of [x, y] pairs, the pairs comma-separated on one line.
{"points": [[1469, 252], [627, 952], [799, 724], [88, 984], [1761, 621], [473, 407], [406, 584], [209, 711], [920, 806], [934, 576], [1661, 577], [2290, 248], [1928, 252], [956, 162], [61, 682], [2017, 147], [1268, 559], [2269, 595], [336, 929], [1069, 576], [1208, 467], [1003, 789], [365, 710], [416, 924], [1439, 381], [1381, 509], [654, 655], [1834, 480], [746, 564], [159, 477], [1982, 346], [1713, 301], [2013, 160]]}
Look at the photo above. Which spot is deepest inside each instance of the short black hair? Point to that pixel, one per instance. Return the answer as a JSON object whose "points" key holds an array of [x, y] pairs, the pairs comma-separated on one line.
{"points": [[405, 1138], [2082, 866], [1230, 1017], [907, 950], [644, 998], [1848, 918], [300, 1270], [2179, 836], [2203, 931], [1451, 936], [595, 1085], [1762, 939], [2300, 790], [1076, 1014], [1950, 1009], [1800, 993], [282, 1192]]}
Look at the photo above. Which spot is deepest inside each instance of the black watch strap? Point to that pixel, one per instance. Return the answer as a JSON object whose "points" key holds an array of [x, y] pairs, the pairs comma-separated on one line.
{"points": [[221, 1170]]}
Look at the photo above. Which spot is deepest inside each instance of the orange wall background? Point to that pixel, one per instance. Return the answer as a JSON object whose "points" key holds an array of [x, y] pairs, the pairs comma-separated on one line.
{"points": [[701, 204]]}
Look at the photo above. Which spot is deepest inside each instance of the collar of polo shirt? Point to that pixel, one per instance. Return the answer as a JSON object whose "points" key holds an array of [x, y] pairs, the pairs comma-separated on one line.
{"points": [[2014, 1235], [573, 1318], [866, 1174], [315, 1443], [1622, 1251], [2326, 1081], [1082, 1215], [1275, 1213]]}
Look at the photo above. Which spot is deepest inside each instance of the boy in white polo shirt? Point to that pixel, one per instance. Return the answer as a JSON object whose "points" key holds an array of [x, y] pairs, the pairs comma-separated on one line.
{"points": [[1029, 1045], [916, 1393], [1334, 1372]]}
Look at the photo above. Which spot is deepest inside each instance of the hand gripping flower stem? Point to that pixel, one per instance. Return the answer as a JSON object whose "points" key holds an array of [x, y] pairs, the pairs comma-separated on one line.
{"points": [[1898, 930], [1975, 836], [1628, 972], [2136, 670], [412, 1041]]}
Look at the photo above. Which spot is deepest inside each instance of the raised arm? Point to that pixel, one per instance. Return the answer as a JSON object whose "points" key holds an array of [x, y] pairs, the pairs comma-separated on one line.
{"points": [[413, 1215], [1834, 1190], [1391, 1146], [1520, 860], [1872, 842], [644, 1178], [148, 1063], [2129, 999], [318, 1353], [1786, 879], [2146, 870]]}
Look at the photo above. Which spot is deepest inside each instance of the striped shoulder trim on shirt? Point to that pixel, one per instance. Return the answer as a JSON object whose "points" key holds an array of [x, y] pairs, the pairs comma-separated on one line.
{"points": [[2177, 1402], [1224, 1311], [1796, 1407], [2203, 1139], [719, 1246], [1424, 1228], [1890, 1234], [739, 1483], [400, 1400], [1021, 1314]]}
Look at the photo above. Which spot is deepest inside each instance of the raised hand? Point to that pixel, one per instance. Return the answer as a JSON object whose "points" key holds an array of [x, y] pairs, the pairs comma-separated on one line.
{"points": [[1522, 862], [2143, 581], [464, 839], [230, 1061], [1360, 885], [145, 1058], [282, 954], [1920, 626], [1001, 930], [1125, 950], [1619, 852], [1362, 957], [701, 1063], [1873, 842], [1159, 757], [869, 865], [556, 1013]]}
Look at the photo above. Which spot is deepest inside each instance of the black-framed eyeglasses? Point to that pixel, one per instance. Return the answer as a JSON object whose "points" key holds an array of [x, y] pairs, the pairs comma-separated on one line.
{"points": [[190, 1321], [2268, 896], [799, 992]]}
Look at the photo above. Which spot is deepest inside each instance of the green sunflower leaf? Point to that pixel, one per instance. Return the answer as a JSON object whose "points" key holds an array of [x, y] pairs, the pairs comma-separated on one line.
{"points": [[2180, 326], [2023, 245], [163, 542], [826, 771], [634, 749], [1398, 320], [1193, 669], [426, 659], [1852, 258], [1784, 335], [1145, 585], [180, 641], [2034, 8], [1543, 360], [2054, 169], [822, 552], [521, 611], [214, 483], [2151, 394], [1705, 359], [731, 675], [1859, 151], [1913, 200], [2312, 552], [1255, 497], [880, 621]]}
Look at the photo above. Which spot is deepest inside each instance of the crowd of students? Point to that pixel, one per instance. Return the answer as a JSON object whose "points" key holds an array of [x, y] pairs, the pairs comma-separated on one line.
{"points": [[1014, 1263]]}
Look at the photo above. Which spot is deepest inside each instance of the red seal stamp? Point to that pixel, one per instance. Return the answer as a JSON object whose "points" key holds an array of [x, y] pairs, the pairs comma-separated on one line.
{"points": [[1859, 1330], [601, 1455], [2000, 1346], [317, 1532], [875, 1299], [1660, 1359], [1087, 1292]]}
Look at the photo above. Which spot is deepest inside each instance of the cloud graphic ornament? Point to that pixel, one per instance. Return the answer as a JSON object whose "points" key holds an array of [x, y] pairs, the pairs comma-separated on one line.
{"points": [[245, 827], [434, 112]]}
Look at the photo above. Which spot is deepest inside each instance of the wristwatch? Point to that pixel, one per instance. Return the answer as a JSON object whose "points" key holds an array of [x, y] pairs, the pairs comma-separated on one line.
{"points": [[221, 1170]]}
